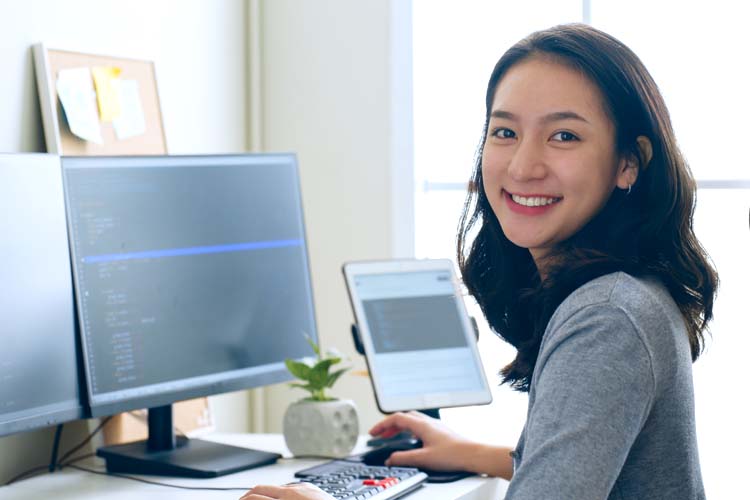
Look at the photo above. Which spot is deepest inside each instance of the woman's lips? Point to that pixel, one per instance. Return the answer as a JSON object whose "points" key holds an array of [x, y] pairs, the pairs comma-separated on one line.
{"points": [[530, 204]]}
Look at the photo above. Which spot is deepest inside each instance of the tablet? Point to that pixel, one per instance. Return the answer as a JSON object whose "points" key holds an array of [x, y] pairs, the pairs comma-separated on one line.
{"points": [[419, 341]]}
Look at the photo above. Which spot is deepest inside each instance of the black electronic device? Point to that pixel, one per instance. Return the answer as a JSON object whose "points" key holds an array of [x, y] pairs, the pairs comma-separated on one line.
{"points": [[38, 368], [352, 481], [379, 454], [192, 279], [380, 441]]}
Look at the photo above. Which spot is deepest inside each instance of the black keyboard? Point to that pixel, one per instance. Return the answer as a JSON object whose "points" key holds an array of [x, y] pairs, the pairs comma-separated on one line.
{"points": [[354, 481]]}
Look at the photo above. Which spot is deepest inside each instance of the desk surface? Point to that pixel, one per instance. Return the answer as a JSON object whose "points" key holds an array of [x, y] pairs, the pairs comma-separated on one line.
{"points": [[71, 484]]}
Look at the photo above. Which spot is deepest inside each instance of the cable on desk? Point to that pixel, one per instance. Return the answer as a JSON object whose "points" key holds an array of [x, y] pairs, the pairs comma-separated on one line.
{"points": [[54, 464], [85, 441], [61, 464], [27, 473], [71, 463], [77, 459], [157, 483]]}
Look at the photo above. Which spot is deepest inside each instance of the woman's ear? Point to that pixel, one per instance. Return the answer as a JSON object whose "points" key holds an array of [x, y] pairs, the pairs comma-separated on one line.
{"points": [[631, 165], [645, 150]]}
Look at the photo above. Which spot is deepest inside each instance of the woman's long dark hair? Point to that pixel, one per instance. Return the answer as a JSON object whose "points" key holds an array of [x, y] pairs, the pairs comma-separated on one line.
{"points": [[647, 232]]}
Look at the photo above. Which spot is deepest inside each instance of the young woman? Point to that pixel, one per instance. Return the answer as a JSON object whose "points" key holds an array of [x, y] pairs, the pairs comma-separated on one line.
{"points": [[577, 242]]}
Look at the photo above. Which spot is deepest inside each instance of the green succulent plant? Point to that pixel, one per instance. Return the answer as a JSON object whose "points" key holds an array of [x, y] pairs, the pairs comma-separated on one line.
{"points": [[316, 372]]}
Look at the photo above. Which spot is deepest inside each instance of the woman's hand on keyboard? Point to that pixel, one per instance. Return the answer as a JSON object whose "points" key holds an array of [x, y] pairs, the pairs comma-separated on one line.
{"points": [[297, 491], [442, 449]]}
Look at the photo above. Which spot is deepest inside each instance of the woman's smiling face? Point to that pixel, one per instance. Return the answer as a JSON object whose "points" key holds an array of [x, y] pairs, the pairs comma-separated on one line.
{"points": [[549, 162]]}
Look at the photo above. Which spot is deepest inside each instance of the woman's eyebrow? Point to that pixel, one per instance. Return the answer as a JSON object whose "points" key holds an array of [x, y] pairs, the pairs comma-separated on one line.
{"points": [[499, 113], [563, 115], [551, 117]]}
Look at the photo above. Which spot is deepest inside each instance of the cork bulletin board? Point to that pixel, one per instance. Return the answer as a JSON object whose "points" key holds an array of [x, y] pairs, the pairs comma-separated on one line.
{"points": [[50, 64], [99, 135]]}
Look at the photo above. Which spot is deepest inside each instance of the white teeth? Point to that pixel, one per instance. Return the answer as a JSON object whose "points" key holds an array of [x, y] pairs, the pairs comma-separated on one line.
{"points": [[534, 201]]}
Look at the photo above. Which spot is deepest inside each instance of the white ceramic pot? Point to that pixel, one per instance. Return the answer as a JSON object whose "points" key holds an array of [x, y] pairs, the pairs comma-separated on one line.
{"points": [[321, 428]]}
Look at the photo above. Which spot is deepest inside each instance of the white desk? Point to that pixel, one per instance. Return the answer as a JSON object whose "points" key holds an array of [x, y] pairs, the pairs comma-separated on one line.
{"points": [[72, 484]]}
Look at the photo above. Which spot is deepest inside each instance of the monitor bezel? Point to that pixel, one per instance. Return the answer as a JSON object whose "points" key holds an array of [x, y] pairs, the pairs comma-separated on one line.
{"points": [[40, 421]]}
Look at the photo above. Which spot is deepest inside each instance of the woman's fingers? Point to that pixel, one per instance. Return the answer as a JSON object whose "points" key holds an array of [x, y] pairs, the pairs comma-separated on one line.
{"points": [[410, 458], [384, 426], [442, 458], [252, 495], [398, 422], [262, 492], [269, 490], [296, 491]]}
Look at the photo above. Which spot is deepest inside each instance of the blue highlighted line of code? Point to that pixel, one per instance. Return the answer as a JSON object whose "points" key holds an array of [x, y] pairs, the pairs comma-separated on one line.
{"points": [[177, 252]]}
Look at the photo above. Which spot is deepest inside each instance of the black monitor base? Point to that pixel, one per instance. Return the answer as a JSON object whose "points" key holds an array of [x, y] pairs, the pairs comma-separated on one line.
{"points": [[165, 455], [191, 458]]}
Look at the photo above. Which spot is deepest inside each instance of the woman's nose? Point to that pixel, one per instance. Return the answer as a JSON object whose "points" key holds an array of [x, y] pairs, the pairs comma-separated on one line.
{"points": [[527, 162]]}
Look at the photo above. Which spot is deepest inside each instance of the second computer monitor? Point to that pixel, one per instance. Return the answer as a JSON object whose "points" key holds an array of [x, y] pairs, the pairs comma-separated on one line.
{"points": [[191, 274], [38, 375]]}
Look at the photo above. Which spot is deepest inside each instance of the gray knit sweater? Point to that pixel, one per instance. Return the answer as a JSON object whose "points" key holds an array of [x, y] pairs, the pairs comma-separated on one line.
{"points": [[611, 412]]}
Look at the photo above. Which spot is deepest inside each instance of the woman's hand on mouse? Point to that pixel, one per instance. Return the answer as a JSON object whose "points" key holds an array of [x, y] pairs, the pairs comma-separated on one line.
{"points": [[297, 491], [442, 449]]}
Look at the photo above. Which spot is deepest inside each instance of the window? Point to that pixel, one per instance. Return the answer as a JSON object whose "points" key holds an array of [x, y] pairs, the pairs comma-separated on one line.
{"points": [[695, 53]]}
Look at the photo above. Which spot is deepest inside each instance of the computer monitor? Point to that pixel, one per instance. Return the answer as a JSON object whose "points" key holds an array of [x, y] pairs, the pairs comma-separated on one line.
{"points": [[192, 279], [38, 375]]}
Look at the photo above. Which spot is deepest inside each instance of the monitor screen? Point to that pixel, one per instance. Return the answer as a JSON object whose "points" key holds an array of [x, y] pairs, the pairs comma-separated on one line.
{"points": [[38, 367], [191, 273]]}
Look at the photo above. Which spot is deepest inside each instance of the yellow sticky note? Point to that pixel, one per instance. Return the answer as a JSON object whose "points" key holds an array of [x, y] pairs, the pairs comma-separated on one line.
{"points": [[107, 85]]}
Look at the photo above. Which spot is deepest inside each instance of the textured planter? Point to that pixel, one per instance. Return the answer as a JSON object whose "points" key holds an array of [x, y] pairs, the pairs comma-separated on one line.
{"points": [[321, 428]]}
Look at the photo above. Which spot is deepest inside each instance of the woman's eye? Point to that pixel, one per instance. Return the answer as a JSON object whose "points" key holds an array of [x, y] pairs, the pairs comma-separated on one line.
{"points": [[503, 133], [564, 137]]}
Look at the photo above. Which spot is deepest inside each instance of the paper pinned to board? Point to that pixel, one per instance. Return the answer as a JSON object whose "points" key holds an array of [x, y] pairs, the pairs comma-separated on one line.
{"points": [[78, 98], [131, 121], [107, 84]]}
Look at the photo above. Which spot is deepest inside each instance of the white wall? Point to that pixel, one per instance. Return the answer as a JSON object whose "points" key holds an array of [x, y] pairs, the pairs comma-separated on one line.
{"points": [[328, 90], [328, 94], [200, 54]]}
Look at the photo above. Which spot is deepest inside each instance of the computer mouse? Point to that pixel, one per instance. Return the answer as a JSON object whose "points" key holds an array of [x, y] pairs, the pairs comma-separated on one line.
{"points": [[378, 456], [377, 442]]}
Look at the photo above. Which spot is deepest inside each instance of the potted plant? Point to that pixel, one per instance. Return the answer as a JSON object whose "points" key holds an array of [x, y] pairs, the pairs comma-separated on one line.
{"points": [[319, 425]]}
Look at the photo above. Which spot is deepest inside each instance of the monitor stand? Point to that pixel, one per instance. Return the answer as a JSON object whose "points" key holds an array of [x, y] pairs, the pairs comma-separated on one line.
{"points": [[162, 454]]}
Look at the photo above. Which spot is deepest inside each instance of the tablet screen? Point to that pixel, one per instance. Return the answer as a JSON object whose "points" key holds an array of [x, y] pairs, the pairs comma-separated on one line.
{"points": [[420, 345]]}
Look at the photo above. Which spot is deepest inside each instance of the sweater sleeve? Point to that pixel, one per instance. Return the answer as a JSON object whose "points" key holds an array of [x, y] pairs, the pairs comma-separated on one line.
{"points": [[592, 391]]}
